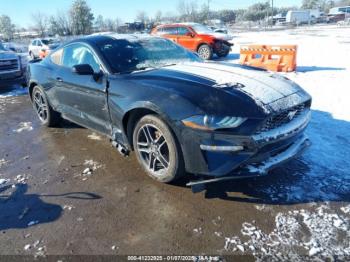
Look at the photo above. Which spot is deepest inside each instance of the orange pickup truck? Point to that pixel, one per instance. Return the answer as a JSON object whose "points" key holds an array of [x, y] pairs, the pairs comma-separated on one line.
{"points": [[197, 38]]}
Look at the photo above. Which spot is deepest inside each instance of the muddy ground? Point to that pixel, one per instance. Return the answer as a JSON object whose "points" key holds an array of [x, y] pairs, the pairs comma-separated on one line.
{"points": [[49, 207]]}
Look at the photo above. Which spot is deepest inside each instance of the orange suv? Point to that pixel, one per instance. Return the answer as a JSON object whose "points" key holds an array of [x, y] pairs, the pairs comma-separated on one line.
{"points": [[197, 38]]}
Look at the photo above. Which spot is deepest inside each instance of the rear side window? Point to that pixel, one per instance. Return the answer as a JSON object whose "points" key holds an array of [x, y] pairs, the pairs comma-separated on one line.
{"points": [[56, 57], [169, 30]]}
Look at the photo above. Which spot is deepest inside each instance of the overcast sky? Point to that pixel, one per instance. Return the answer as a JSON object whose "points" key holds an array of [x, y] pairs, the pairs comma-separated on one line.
{"points": [[21, 11]]}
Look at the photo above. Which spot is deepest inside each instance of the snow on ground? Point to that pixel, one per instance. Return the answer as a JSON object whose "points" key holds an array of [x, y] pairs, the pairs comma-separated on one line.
{"points": [[324, 72], [324, 233]]}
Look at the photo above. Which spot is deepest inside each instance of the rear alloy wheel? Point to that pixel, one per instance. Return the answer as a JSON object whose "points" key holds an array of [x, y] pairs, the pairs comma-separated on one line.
{"points": [[46, 114], [157, 150], [205, 52]]}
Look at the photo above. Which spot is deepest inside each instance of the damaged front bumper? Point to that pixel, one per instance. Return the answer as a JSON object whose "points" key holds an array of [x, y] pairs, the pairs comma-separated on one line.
{"points": [[224, 156], [260, 169]]}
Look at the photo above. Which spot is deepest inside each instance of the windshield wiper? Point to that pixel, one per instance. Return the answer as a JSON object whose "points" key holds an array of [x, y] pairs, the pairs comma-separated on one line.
{"points": [[137, 69]]}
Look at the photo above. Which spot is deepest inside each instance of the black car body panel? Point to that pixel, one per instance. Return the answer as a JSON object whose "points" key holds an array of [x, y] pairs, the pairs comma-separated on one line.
{"points": [[176, 92]]}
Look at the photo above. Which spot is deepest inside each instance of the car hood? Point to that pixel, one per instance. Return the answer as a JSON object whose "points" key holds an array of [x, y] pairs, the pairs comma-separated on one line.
{"points": [[262, 86], [222, 36], [214, 86], [5, 55]]}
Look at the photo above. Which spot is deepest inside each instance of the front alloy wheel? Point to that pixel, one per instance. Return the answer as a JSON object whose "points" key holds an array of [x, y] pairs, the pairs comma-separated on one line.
{"points": [[157, 150]]}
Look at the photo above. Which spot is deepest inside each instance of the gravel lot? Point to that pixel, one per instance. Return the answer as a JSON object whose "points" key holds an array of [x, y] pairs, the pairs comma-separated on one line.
{"points": [[50, 207]]}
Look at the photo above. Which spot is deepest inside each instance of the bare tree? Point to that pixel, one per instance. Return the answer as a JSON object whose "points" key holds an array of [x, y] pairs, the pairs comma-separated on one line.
{"points": [[142, 17], [109, 24], [6, 27], [40, 22], [59, 24], [100, 23], [81, 17], [117, 23], [158, 17], [188, 10]]}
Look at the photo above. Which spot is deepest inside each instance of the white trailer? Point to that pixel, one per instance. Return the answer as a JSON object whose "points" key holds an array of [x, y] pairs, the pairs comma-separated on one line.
{"points": [[298, 17]]}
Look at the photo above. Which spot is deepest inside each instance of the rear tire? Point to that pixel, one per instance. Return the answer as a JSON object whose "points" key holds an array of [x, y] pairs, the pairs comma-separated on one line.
{"points": [[157, 150], [205, 52], [46, 114]]}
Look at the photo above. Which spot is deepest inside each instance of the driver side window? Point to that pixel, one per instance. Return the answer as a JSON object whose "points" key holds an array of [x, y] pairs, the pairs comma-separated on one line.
{"points": [[78, 54]]}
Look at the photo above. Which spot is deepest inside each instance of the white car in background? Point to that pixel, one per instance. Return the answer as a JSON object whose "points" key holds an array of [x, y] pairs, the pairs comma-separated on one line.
{"points": [[42, 45]]}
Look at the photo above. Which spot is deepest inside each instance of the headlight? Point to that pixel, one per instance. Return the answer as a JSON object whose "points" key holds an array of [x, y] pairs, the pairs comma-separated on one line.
{"points": [[205, 122]]}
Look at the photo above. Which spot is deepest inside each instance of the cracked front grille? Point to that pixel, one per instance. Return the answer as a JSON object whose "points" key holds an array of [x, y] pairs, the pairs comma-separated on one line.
{"points": [[9, 65], [282, 118]]}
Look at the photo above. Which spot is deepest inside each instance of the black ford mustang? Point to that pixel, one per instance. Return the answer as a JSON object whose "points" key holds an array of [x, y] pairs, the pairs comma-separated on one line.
{"points": [[177, 112]]}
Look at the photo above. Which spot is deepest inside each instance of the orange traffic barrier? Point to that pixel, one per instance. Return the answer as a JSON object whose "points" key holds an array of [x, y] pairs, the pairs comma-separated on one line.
{"points": [[281, 58]]}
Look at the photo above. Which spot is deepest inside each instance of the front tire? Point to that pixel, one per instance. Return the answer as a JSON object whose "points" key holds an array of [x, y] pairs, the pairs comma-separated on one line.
{"points": [[32, 56], [223, 53], [46, 114], [205, 52], [157, 149]]}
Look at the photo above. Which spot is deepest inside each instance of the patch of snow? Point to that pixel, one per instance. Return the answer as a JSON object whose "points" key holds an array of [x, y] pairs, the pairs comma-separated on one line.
{"points": [[3, 181], [24, 126], [345, 209], [68, 207], [318, 232], [27, 247], [94, 136], [114, 248], [32, 223], [94, 165], [3, 162], [22, 179], [198, 231]]}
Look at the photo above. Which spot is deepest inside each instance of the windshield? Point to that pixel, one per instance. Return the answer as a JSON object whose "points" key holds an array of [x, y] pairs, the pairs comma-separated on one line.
{"points": [[202, 29], [131, 55], [2, 48]]}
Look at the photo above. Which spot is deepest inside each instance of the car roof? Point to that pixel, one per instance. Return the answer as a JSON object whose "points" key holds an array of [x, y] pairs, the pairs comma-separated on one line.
{"points": [[95, 38], [177, 24]]}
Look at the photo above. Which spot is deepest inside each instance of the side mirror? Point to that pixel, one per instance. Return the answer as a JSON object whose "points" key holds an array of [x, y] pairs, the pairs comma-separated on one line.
{"points": [[83, 69], [190, 34]]}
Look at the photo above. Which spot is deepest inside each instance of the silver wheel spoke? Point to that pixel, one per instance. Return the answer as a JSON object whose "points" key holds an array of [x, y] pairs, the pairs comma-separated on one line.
{"points": [[147, 134], [145, 150], [163, 161], [162, 144], [152, 162]]}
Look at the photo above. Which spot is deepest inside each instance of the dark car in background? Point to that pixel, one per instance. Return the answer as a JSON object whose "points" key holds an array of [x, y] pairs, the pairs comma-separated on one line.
{"points": [[12, 67], [177, 112]]}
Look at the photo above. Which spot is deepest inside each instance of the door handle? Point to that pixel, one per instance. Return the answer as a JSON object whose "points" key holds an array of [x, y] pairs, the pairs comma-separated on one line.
{"points": [[59, 79]]}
